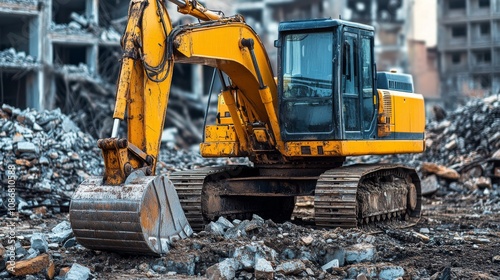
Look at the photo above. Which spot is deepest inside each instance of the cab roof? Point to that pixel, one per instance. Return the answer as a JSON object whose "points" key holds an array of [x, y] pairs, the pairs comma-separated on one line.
{"points": [[320, 23]]}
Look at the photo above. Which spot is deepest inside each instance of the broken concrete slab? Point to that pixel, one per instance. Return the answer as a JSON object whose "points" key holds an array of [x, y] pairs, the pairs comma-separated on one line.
{"points": [[225, 270], [293, 267], [77, 272], [39, 242], [391, 272], [263, 269], [357, 253], [331, 264], [31, 266]]}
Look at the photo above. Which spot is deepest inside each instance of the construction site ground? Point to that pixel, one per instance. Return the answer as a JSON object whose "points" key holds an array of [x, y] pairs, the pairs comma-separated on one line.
{"points": [[458, 237]]}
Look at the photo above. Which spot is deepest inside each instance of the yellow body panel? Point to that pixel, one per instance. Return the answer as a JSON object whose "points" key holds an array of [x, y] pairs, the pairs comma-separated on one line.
{"points": [[352, 147], [222, 133], [221, 149], [408, 113]]}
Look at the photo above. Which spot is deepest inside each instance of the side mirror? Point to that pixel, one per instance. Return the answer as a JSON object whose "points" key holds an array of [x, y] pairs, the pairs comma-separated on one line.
{"points": [[277, 43]]}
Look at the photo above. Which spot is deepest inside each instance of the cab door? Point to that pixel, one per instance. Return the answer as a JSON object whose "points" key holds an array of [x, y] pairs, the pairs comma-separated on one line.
{"points": [[357, 85]]}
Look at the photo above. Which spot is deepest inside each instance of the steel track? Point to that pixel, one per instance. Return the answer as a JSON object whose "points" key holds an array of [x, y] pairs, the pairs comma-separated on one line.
{"points": [[189, 186], [336, 198]]}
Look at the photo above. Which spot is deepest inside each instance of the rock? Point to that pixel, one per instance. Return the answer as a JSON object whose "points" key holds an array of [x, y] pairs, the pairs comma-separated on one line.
{"points": [[225, 270], [214, 228], [310, 272], [307, 240], [424, 230], [61, 232], [369, 271], [39, 242], [293, 267], [70, 243], [2, 252], [144, 267], [440, 170], [361, 276], [224, 223], [331, 264], [257, 219], [496, 259], [63, 271], [185, 265], [263, 269], [31, 266], [77, 272], [50, 272], [482, 183], [249, 226], [429, 185], [391, 272], [247, 254], [159, 269], [233, 233], [335, 253], [25, 147], [357, 253]]}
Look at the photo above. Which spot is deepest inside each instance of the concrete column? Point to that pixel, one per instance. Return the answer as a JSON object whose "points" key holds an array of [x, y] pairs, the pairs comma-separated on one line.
{"points": [[34, 81], [92, 59], [92, 10], [197, 80]]}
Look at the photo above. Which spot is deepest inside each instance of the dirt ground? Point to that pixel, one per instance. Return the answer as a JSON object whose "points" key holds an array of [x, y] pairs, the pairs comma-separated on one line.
{"points": [[457, 237]]}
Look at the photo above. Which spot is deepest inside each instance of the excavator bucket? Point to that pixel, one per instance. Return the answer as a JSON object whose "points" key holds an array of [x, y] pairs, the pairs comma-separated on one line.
{"points": [[143, 215]]}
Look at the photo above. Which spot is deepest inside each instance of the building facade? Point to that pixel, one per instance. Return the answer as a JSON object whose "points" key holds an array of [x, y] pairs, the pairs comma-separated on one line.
{"points": [[47, 46], [469, 47]]}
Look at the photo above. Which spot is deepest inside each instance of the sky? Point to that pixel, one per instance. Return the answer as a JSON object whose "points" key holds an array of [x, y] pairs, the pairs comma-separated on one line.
{"points": [[425, 21]]}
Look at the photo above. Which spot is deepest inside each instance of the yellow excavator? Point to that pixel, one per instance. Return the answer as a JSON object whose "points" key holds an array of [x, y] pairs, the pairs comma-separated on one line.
{"points": [[326, 103]]}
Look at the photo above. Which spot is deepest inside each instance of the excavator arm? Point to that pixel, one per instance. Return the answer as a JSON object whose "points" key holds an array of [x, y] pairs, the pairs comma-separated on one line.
{"points": [[150, 50]]}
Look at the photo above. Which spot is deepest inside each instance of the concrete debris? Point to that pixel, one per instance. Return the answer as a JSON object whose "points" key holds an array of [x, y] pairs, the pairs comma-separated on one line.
{"points": [[391, 272], [12, 57], [61, 232], [440, 170], [31, 266], [110, 35], [263, 269], [47, 162], [77, 272], [39, 242], [293, 267], [225, 270], [363, 252], [80, 69], [328, 266]]}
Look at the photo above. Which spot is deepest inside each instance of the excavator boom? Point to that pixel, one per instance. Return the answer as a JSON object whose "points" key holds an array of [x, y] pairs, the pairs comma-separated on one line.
{"points": [[129, 209]]}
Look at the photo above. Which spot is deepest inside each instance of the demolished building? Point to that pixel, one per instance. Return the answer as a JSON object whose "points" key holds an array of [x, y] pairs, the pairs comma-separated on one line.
{"points": [[54, 43]]}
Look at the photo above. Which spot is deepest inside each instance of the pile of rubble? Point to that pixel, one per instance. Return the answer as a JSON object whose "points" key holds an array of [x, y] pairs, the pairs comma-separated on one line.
{"points": [[80, 25], [262, 249], [12, 57], [50, 154], [469, 134]]}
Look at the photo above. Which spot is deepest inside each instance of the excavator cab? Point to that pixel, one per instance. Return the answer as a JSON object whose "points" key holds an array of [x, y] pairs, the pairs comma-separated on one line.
{"points": [[326, 80]]}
